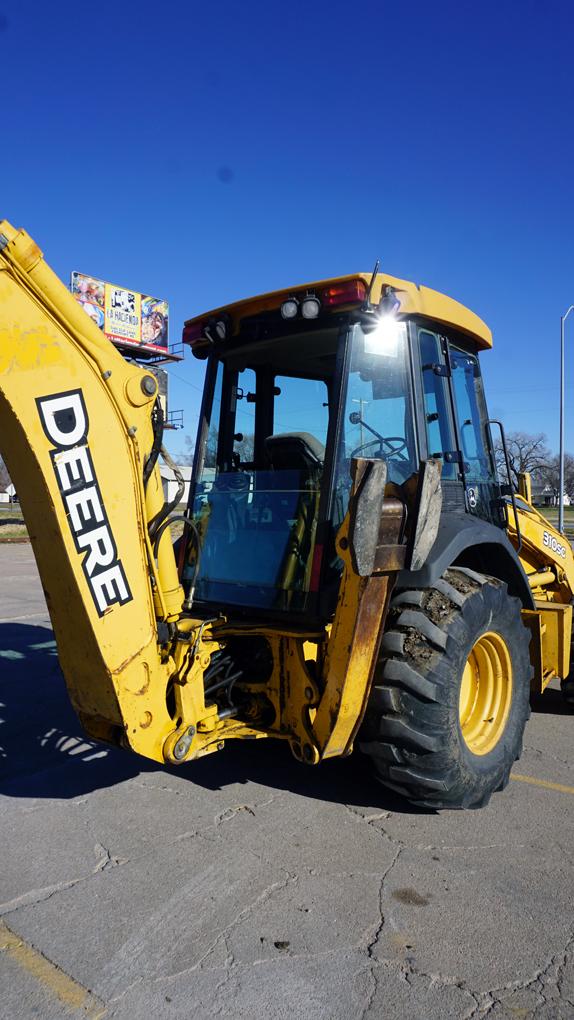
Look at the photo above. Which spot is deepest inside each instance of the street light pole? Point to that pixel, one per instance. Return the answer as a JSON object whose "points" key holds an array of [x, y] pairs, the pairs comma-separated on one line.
{"points": [[561, 478], [361, 403]]}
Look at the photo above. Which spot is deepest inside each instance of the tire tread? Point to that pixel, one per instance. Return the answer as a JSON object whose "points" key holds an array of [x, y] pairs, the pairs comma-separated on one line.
{"points": [[410, 730]]}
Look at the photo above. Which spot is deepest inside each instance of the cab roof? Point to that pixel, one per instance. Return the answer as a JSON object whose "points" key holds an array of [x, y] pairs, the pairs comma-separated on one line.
{"points": [[413, 299]]}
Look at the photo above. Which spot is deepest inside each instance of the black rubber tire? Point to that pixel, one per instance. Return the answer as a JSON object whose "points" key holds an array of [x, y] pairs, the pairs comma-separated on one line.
{"points": [[411, 731]]}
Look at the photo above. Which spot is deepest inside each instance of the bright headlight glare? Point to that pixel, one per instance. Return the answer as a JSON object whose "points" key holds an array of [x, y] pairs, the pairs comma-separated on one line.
{"points": [[310, 308], [385, 337], [289, 308]]}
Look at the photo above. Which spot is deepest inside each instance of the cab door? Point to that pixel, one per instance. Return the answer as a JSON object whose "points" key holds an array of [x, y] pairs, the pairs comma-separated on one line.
{"points": [[474, 439], [438, 431]]}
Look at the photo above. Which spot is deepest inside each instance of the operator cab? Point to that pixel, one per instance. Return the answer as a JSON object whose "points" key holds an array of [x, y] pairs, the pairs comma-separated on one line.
{"points": [[298, 384]]}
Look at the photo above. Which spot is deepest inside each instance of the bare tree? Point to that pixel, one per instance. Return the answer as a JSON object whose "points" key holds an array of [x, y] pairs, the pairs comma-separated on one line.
{"points": [[244, 447], [550, 475], [186, 456], [525, 453], [4, 476]]}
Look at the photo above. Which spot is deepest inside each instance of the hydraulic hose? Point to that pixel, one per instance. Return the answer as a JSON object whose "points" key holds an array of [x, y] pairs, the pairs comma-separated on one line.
{"points": [[157, 425], [167, 507]]}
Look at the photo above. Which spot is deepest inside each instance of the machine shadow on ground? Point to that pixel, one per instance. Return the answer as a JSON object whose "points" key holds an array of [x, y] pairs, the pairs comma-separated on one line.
{"points": [[550, 702], [43, 753]]}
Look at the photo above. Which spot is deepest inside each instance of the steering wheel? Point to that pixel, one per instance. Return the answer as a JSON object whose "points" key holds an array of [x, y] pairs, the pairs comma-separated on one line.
{"points": [[398, 450], [393, 451]]}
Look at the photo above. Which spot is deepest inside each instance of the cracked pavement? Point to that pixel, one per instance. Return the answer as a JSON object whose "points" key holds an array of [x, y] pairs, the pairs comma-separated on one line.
{"points": [[248, 885]]}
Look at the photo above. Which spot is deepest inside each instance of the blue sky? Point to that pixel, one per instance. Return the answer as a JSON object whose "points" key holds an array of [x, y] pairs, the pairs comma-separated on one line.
{"points": [[203, 153]]}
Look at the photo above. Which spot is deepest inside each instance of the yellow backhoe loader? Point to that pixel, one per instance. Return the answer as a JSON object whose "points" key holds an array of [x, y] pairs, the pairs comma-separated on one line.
{"points": [[351, 572]]}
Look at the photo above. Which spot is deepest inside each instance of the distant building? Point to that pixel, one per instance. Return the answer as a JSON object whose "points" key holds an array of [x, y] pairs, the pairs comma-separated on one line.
{"points": [[170, 484], [545, 495], [8, 494]]}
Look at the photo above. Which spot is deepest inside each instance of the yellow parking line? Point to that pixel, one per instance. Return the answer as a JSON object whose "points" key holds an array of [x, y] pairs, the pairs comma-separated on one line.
{"points": [[71, 993], [543, 782]]}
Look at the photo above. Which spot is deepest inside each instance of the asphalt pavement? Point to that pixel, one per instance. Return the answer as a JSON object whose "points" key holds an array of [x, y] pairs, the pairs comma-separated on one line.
{"points": [[250, 886]]}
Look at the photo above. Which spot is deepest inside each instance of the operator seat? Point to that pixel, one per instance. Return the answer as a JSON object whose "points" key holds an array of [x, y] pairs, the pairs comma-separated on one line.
{"points": [[295, 451], [297, 463]]}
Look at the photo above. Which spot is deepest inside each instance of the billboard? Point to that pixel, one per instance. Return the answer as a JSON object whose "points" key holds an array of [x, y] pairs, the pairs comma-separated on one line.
{"points": [[127, 318]]}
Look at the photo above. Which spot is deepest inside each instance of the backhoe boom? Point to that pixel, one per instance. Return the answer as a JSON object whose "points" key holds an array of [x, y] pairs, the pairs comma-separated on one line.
{"points": [[76, 429]]}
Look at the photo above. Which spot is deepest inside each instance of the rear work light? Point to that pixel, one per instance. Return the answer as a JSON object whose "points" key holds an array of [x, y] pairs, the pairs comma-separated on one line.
{"points": [[310, 307], [220, 329], [347, 293], [210, 330], [290, 308]]}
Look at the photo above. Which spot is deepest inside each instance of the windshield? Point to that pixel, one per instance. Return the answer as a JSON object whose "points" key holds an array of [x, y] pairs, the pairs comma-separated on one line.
{"points": [[377, 419], [255, 501]]}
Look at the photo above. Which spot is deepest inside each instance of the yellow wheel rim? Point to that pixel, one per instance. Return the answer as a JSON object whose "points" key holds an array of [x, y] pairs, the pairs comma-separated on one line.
{"points": [[485, 693]]}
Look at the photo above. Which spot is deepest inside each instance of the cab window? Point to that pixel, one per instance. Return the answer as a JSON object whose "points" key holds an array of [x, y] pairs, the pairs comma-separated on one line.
{"points": [[439, 433], [472, 417], [377, 420]]}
